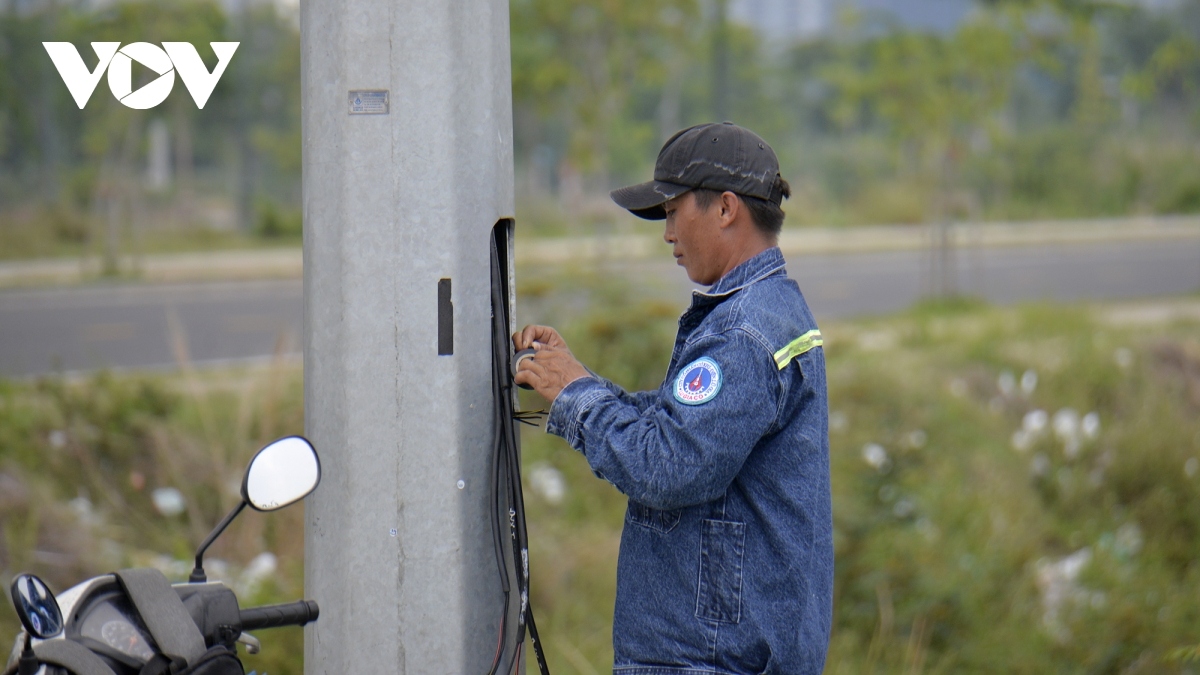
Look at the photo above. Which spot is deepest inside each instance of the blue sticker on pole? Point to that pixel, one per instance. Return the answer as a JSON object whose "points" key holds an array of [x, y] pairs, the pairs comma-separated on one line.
{"points": [[698, 382]]}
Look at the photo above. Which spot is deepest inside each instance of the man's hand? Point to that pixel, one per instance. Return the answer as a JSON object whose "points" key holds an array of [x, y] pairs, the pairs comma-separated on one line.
{"points": [[552, 366], [547, 336]]}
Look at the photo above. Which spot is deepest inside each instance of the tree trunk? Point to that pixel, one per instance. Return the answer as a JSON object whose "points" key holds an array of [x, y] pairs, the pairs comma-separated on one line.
{"points": [[184, 165]]}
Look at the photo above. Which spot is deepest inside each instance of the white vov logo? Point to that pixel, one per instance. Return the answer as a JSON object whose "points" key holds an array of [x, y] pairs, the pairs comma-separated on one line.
{"points": [[118, 60]]}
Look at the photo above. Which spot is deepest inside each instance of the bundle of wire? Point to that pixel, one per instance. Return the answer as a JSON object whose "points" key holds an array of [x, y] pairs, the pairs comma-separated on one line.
{"points": [[508, 504]]}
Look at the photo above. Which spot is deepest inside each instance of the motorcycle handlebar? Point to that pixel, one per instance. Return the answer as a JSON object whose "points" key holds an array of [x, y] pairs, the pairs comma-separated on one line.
{"points": [[273, 616]]}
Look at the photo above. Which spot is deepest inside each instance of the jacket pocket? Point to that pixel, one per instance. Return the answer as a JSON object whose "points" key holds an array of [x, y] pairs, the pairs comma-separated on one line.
{"points": [[722, 545], [660, 521]]}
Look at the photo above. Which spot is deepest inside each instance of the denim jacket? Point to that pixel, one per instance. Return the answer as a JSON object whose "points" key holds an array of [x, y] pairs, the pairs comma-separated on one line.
{"points": [[726, 562]]}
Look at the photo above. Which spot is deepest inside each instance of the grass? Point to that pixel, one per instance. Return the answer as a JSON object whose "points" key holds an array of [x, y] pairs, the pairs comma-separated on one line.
{"points": [[57, 231], [958, 505], [80, 461]]}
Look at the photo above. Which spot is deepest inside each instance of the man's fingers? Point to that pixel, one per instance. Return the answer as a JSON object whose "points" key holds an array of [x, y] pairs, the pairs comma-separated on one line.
{"points": [[535, 367], [524, 376], [533, 374], [552, 366], [530, 334], [534, 333]]}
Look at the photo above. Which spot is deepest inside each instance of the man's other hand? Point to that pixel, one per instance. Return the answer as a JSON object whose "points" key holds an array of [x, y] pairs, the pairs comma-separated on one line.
{"points": [[552, 366], [545, 335]]}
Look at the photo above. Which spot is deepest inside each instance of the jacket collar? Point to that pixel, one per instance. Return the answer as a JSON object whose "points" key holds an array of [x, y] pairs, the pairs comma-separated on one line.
{"points": [[759, 267]]}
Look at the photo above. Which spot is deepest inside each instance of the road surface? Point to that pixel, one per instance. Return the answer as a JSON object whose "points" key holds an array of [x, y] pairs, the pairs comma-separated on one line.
{"points": [[147, 326], [163, 325]]}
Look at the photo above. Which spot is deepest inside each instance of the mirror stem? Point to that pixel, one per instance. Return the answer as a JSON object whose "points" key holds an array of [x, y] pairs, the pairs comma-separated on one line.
{"points": [[29, 664], [198, 576]]}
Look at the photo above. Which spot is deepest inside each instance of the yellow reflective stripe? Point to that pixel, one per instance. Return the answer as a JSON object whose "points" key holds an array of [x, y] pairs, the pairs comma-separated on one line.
{"points": [[797, 347]]}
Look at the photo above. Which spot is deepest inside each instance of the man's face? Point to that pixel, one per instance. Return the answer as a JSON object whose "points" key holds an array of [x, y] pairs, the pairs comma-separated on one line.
{"points": [[695, 235]]}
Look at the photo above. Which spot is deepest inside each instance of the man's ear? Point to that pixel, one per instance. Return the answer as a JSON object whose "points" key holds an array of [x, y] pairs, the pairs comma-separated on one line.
{"points": [[730, 207]]}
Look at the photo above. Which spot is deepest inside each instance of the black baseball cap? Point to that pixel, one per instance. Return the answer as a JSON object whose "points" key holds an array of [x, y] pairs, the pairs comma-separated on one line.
{"points": [[712, 156]]}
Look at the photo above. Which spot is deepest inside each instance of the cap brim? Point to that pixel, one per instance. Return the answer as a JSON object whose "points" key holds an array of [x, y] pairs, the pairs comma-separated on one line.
{"points": [[645, 200]]}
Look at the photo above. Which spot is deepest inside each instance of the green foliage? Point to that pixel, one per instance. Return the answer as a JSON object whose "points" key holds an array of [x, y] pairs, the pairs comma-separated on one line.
{"points": [[243, 147], [577, 63], [950, 542], [274, 224], [921, 87], [79, 461], [1027, 110]]}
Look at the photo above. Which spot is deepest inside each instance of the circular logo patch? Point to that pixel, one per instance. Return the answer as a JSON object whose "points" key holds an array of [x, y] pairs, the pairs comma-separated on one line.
{"points": [[698, 382]]}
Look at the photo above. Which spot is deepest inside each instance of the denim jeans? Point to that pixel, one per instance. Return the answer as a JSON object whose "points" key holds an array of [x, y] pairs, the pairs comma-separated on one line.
{"points": [[726, 562]]}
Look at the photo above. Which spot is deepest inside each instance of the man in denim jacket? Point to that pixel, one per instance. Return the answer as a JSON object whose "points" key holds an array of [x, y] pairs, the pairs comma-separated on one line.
{"points": [[726, 562]]}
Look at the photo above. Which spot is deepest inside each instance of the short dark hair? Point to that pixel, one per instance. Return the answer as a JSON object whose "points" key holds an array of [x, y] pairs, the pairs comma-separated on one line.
{"points": [[767, 215]]}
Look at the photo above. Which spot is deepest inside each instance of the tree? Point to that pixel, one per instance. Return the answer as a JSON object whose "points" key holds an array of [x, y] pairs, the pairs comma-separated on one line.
{"points": [[576, 62]]}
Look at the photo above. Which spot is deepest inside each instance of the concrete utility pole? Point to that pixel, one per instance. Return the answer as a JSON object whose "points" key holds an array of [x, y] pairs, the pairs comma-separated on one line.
{"points": [[407, 123]]}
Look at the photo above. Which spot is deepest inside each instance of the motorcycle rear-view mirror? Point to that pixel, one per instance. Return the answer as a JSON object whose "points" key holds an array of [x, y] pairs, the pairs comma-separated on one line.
{"points": [[282, 473], [36, 606]]}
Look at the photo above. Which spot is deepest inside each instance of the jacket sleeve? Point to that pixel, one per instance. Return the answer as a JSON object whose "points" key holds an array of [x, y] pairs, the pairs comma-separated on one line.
{"points": [[638, 399], [670, 454]]}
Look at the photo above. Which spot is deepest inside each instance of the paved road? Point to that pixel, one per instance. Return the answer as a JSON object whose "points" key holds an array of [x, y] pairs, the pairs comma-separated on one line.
{"points": [[843, 285], [136, 326], [840, 286]]}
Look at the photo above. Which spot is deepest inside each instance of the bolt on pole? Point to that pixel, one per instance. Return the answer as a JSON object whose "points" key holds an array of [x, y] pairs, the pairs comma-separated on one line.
{"points": [[407, 167]]}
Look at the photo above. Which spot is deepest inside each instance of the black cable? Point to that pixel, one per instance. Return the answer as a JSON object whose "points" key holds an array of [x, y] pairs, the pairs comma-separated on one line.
{"points": [[507, 469], [504, 431], [498, 492], [537, 644], [498, 542]]}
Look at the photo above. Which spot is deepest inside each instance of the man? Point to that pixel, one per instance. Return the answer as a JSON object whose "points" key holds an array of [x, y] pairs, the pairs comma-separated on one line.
{"points": [[726, 562]]}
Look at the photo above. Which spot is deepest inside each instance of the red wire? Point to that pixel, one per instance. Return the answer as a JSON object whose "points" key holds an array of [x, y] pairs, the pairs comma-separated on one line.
{"points": [[499, 646], [517, 661]]}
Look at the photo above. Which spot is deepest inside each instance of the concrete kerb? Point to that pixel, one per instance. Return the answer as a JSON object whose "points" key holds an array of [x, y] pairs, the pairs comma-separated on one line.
{"points": [[166, 268], [287, 263]]}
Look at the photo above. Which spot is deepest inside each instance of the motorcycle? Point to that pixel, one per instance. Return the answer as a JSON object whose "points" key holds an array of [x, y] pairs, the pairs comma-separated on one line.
{"points": [[135, 622]]}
